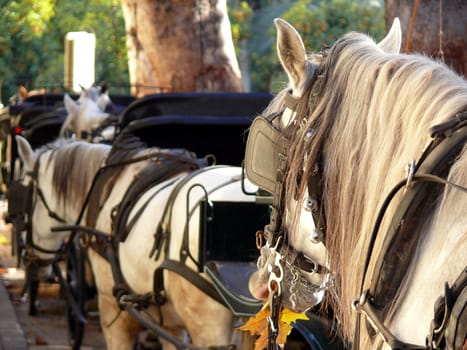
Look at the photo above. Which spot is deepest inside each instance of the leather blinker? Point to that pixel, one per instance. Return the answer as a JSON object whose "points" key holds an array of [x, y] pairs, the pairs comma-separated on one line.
{"points": [[264, 153]]}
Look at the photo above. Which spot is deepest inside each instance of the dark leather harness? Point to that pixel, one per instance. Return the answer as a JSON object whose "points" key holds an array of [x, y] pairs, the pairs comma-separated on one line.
{"points": [[164, 166]]}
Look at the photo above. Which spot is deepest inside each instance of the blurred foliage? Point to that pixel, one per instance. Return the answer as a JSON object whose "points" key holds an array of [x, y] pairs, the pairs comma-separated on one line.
{"points": [[23, 25], [33, 32], [32, 41], [319, 23], [240, 21]]}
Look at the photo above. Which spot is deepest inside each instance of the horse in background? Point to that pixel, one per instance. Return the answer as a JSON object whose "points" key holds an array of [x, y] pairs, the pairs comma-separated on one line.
{"points": [[162, 223], [91, 117], [376, 155]]}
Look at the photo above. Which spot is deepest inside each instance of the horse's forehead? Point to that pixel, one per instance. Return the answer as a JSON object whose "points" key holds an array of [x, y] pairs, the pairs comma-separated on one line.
{"points": [[89, 105], [91, 109]]}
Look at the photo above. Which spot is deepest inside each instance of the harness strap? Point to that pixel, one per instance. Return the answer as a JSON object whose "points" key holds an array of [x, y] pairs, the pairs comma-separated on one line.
{"points": [[51, 213], [449, 326], [316, 207], [365, 307], [162, 235], [452, 141], [192, 276], [154, 173], [185, 248], [135, 218]]}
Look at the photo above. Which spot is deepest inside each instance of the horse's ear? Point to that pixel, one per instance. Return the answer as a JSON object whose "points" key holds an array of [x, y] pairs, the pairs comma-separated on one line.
{"points": [[25, 151], [103, 88], [70, 105], [292, 54], [392, 41]]}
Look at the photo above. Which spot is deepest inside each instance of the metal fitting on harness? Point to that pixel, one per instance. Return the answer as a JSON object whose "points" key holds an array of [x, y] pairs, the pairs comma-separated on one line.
{"points": [[137, 301], [448, 328]]}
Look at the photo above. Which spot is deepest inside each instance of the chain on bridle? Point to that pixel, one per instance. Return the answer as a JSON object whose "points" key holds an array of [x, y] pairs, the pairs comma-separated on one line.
{"points": [[265, 165]]}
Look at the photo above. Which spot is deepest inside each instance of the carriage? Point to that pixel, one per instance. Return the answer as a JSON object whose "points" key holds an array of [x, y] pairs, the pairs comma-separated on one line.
{"points": [[226, 251]]}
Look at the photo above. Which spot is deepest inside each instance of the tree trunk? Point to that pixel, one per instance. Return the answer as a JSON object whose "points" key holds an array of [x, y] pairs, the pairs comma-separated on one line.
{"points": [[439, 29], [180, 46]]}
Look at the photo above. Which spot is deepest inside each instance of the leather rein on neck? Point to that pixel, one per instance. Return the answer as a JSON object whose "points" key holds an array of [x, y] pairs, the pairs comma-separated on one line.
{"points": [[30, 244]]}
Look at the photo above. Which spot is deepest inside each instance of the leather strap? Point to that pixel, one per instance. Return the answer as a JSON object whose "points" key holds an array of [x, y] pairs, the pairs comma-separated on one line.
{"points": [[192, 276], [452, 142], [449, 326]]}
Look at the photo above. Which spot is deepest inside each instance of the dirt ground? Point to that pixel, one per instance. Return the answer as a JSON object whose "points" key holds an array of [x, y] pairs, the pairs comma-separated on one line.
{"points": [[47, 330]]}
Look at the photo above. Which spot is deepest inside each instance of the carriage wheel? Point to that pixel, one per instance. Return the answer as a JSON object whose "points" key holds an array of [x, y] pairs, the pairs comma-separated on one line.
{"points": [[75, 276]]}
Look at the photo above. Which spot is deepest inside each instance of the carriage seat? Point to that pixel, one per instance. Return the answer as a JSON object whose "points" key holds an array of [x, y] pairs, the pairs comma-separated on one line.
{"points": [[51, 101], [231, 281], [194, 104], [48, 101], [202, 122], [42, 128], [228, 250], [222, 136]]}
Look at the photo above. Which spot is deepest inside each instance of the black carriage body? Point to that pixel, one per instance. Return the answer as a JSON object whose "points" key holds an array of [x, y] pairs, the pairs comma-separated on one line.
{"points": [[192, 104], [39, 119], [228, 230], [204, 123], [228, 252]]}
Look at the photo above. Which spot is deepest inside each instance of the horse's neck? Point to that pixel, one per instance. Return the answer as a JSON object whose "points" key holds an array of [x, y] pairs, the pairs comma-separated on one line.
{"points": [[69, 172], [441, 258], [67, 210]]}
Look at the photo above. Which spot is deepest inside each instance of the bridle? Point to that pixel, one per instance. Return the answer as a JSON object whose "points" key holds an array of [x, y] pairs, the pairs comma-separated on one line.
{"points": [[27, 197], [264, 136], [35, 192]]}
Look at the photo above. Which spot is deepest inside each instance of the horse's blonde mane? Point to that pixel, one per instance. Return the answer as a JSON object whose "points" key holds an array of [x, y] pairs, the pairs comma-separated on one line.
{"points": [[373, 117], [80, 161]]}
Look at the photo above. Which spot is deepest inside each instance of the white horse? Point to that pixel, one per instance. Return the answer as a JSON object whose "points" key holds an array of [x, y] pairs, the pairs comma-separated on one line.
{"points": [[388, 237], [87, 116], [62, 174]]}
